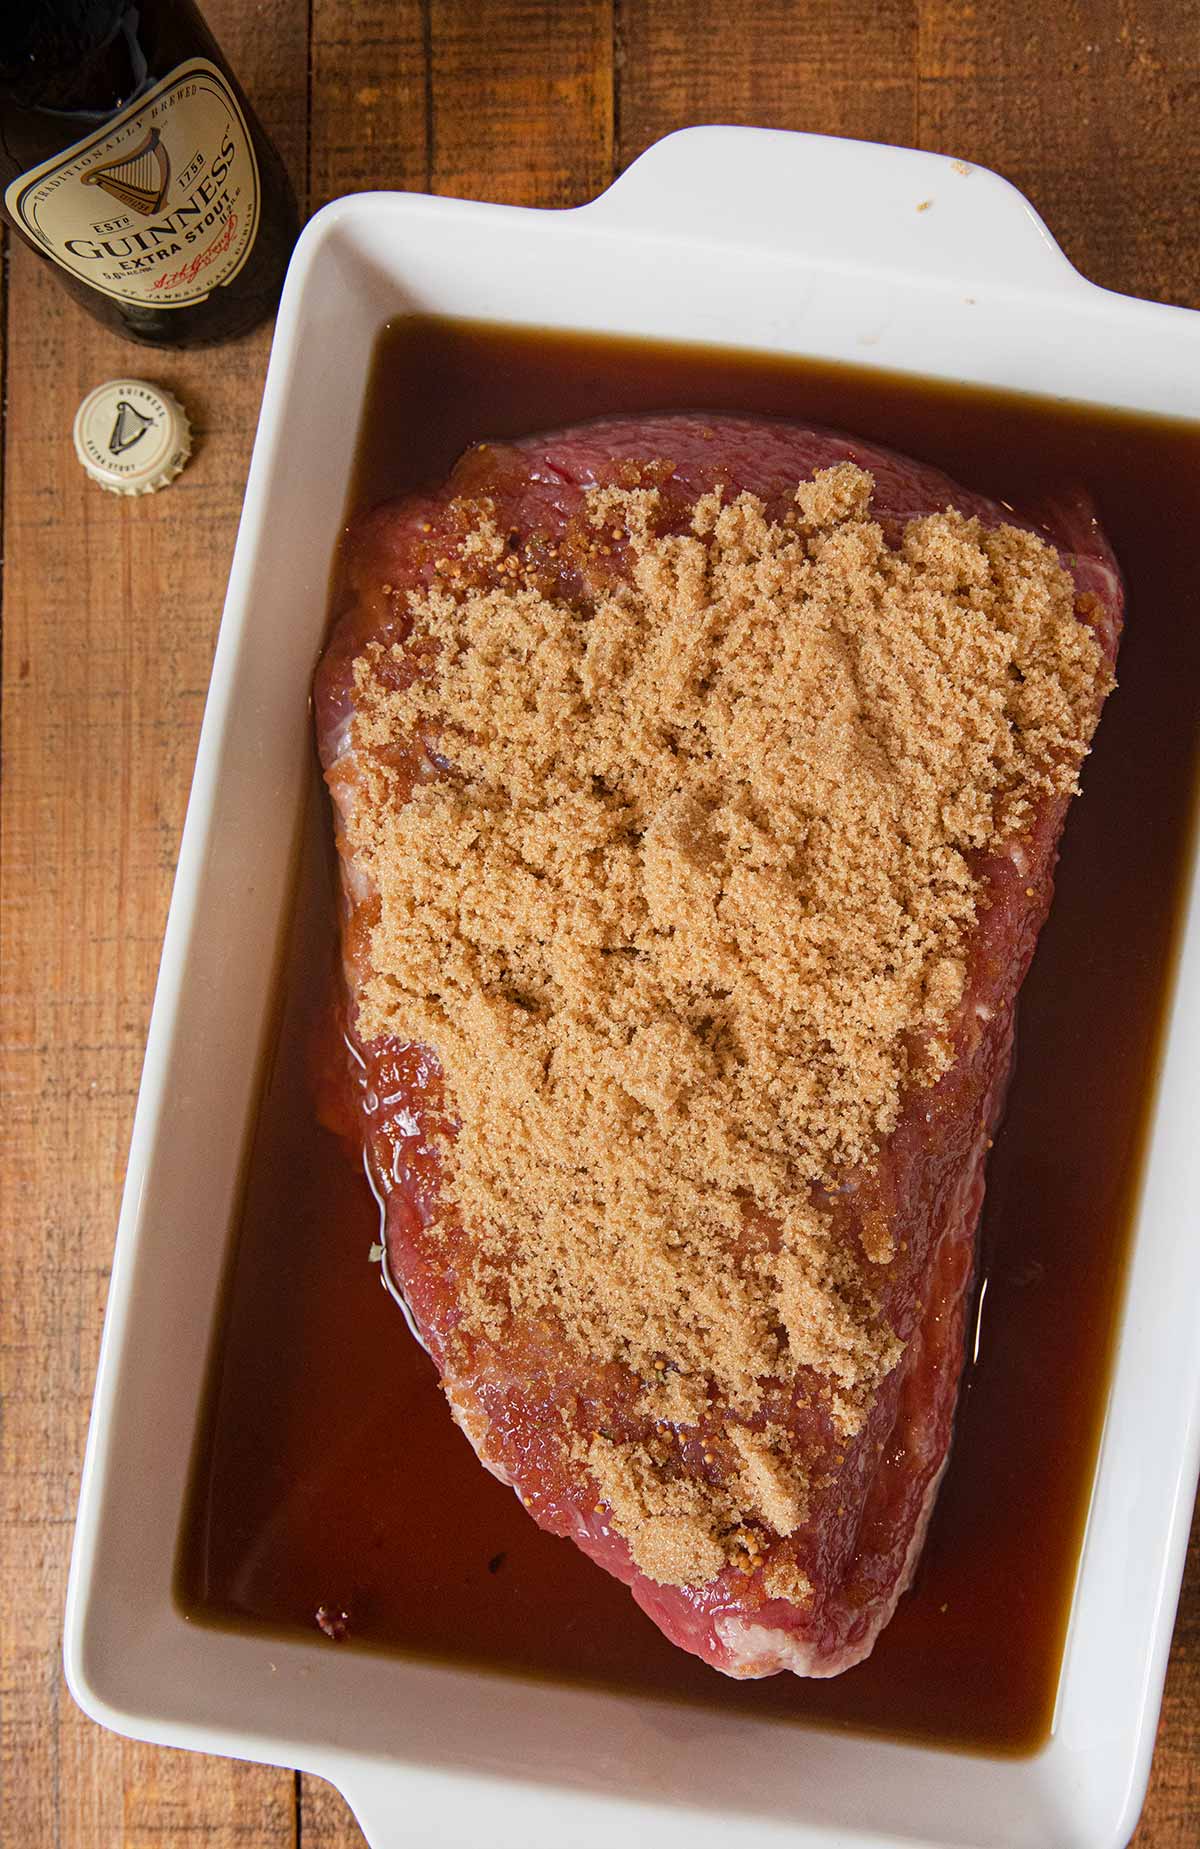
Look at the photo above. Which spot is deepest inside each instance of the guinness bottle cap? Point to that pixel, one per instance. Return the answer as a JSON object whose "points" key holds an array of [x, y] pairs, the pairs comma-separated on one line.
{"points": [[132, 437]]}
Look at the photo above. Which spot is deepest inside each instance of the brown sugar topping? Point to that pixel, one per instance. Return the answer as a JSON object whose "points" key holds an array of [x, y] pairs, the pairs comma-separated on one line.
{"points": [[684, 919]]}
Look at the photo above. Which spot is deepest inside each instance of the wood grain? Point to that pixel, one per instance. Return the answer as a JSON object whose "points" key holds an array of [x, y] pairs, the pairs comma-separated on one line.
{"points": [[1091, 108], [110, 612], [825, 67], [368, 121], [521, 100]]}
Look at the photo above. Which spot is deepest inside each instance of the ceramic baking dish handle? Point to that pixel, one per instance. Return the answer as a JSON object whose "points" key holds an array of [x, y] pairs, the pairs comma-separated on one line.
{"points": [[437, 1810], [839, 204]]}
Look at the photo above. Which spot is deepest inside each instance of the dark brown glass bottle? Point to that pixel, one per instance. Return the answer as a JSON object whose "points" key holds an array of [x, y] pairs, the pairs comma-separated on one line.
{"points": [[131, 160]]}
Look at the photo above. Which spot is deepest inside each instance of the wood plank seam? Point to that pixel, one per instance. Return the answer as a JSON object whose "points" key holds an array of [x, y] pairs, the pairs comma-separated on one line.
{"points": [[5, 255], [618, 71], [430, 120]]}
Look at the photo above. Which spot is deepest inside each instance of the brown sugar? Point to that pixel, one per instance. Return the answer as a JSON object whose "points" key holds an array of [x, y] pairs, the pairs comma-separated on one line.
{"points": [[684, 920]]}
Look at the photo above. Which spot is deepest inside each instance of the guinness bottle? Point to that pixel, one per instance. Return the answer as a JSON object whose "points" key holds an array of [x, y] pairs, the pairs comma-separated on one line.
{"points": [[132, 161]]}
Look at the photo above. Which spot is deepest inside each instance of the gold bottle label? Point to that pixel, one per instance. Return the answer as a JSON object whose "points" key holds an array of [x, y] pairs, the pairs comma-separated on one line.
{"points": [[160, 206]]}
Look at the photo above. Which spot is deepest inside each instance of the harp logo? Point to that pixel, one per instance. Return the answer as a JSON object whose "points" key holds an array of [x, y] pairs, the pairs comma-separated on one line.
{"points": [[139, 179], [158, 208], [129, 427]]}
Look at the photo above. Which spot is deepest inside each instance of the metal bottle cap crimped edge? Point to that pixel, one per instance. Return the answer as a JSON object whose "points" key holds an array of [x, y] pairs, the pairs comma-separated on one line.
{"points": [[131, 437]]}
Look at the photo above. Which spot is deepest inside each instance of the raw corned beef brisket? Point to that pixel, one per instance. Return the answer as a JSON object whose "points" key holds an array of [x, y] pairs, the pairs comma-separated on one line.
{"points": [[698, 785]]}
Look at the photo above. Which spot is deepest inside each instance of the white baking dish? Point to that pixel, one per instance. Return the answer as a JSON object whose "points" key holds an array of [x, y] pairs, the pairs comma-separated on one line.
{"points": [[790, 243]]}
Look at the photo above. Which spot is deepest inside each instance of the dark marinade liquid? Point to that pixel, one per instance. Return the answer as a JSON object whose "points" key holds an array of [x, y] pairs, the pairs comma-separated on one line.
{"points": [[328, 1473]]}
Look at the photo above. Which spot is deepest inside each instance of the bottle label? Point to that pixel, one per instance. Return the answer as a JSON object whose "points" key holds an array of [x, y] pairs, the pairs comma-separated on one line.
{"points": [[160, 206]]}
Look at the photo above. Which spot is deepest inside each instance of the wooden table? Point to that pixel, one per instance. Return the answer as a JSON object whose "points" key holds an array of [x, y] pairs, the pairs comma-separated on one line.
{"points": [[110, 610]]}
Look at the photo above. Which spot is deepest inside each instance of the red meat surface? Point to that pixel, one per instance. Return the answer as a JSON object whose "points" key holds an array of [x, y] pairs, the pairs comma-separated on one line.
{"points": [[863, 1532]]}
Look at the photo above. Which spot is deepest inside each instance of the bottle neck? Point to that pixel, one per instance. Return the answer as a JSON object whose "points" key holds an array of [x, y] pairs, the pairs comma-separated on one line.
{"points": [[76, 58]]}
